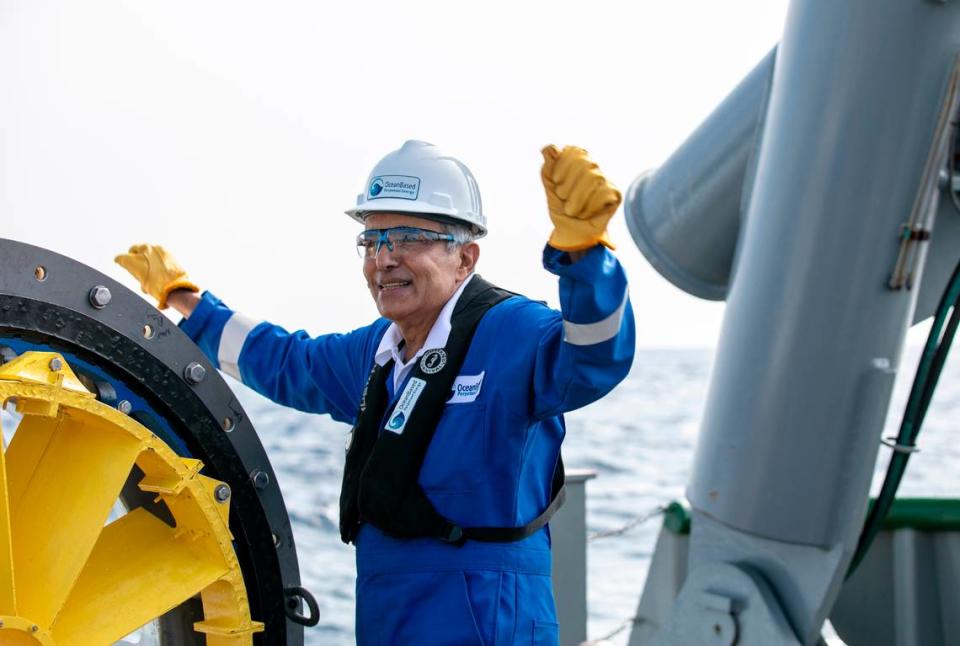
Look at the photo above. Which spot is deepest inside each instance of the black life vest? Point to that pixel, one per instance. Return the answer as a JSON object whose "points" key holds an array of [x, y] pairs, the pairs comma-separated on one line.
{"points": [[383, 464]]}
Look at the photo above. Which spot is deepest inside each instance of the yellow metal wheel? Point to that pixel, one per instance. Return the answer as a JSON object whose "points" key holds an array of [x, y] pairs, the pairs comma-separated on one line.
{"points": [[67, 575]]}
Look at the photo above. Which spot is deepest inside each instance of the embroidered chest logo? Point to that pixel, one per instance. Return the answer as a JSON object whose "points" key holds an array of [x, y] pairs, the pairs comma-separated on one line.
{"points": [[433, 361], [466, 388]]}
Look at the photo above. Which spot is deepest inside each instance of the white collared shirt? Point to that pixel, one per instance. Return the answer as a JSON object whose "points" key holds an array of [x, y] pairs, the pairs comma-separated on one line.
{"points": [[389, 347]]}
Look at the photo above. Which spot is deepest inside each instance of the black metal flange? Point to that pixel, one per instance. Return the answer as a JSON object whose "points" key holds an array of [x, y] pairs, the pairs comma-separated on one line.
{"points": [[51, 302]]}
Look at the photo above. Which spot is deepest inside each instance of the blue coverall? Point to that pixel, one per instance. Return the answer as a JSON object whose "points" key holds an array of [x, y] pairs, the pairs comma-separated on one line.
{"points": [[490, 462]]}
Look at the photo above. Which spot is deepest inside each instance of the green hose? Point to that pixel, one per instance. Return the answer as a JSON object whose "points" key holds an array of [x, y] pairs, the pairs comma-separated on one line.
{"points": [[924, 383]]}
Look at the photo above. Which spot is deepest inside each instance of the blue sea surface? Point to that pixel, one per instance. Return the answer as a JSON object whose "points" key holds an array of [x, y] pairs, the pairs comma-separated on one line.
{"points": [[640, 440]]}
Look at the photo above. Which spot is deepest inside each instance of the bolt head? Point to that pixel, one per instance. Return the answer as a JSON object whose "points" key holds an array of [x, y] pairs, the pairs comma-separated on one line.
{"points": [[222, 493], [125, 407], [100, 297], [56, 364], [260, 479], [194, 373]]}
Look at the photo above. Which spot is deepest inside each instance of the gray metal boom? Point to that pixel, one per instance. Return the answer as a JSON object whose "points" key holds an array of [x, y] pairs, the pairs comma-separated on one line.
{"points": [[837, 171]]}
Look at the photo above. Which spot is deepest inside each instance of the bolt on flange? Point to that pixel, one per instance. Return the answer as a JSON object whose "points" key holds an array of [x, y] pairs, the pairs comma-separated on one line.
{"points": [[194, 373], [99, 297], [260, 479]]}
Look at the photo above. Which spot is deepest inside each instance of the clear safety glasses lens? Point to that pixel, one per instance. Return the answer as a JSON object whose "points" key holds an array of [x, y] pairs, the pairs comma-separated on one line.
{"points": [[397, 240]]}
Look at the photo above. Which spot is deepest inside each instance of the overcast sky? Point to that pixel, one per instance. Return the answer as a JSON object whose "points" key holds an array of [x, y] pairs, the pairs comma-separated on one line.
{"points": [[236, 133]]}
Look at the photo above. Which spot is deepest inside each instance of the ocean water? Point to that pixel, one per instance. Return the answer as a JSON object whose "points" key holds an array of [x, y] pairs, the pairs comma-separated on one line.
{"points": [[639, 439]]}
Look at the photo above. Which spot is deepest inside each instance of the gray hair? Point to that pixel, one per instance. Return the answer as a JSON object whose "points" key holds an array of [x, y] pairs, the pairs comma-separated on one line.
{"points": [[462, 233]]}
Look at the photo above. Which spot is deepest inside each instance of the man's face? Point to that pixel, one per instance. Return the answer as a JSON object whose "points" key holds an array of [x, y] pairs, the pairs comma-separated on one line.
{"points": [[412, 288]]}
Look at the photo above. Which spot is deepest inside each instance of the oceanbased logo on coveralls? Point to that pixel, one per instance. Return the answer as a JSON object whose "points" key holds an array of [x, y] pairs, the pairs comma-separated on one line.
{"points": [[408, 399], [404, 187], [466, 388]]}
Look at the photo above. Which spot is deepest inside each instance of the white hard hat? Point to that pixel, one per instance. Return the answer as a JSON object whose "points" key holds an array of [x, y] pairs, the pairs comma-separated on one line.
{"points": [[419, 179]]}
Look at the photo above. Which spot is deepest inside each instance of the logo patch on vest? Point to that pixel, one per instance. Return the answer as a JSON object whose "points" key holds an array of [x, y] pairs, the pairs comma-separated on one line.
{"points": [[433, 361], [465, 389], [408, 399]]}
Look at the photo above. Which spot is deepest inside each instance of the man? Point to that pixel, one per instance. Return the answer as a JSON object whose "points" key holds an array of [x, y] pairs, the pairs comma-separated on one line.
{"points": [[456, 394]]}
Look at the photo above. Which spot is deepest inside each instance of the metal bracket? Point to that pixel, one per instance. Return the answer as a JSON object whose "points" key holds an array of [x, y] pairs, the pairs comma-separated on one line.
{"points": [[722, 604]]}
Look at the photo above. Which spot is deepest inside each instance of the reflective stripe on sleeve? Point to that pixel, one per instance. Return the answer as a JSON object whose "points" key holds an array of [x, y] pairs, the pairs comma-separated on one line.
{"points": [[231, 342], [592, 333]]}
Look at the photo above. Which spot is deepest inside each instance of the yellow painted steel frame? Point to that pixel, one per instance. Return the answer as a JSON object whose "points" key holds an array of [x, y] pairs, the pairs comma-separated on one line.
{"points": [[66, 577]]}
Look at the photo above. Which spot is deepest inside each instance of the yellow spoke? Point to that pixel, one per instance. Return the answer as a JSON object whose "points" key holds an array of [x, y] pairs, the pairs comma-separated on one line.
{"points": [[139, 569], [63, 508], [25, 450]]}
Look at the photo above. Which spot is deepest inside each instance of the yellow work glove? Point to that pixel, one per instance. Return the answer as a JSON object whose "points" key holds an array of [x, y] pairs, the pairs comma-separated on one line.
{"points": [[580, 199], [158, 272]]}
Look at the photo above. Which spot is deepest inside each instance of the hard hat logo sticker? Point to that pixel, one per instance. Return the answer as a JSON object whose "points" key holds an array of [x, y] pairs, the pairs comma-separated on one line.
{"points": [[403, 187]]}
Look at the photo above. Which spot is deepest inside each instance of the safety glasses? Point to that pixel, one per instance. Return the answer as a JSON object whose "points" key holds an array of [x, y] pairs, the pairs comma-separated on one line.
{"points": [[399, 240]]}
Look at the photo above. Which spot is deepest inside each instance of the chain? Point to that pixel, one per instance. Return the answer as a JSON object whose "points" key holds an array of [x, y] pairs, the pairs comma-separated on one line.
{"points": [[634, 522], [620, 531], [632, 621]]}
